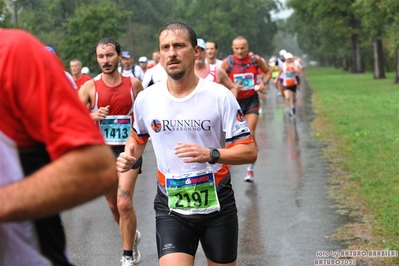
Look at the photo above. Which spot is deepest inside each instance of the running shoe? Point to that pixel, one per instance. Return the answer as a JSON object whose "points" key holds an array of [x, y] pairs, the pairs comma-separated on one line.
{"points": [[293, 110], [288, 112], [249, 177], [136, 252], [127, 261]]}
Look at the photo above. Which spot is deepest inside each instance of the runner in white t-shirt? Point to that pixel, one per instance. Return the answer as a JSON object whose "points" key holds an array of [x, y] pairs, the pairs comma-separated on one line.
{"points": [[154, 75], [128, 68], [197, 130]]}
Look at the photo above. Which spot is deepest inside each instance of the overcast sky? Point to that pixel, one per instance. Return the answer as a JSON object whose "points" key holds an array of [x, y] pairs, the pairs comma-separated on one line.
{"points": [[282, 14]]}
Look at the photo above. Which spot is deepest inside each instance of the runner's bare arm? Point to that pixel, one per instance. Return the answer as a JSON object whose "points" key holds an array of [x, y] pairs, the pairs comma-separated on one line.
{"points": [[86, 95], [296, 69], [85, 92], [133, 151], [137, 86], [222, 78], [235, 155], [278, 76], [266, 70], [225, 64], [81, 174]]}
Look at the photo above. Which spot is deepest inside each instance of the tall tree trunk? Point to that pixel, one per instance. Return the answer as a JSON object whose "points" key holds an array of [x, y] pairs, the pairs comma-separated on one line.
{"points": [[345, 65], [357, 66], [397, 66], [378, 58], [337, 63], [357, 61]]}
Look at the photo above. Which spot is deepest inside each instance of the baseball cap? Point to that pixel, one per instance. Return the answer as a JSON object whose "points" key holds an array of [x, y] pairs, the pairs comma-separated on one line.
{"points": [[51, 49], [85, 70], [282, 52], [288, 56], [126, 54], [143, 59], [201, 43]]}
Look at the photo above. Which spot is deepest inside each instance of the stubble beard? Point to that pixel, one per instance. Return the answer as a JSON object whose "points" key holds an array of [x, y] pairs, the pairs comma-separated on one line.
{"points": [[111, 71], [177, 75]]}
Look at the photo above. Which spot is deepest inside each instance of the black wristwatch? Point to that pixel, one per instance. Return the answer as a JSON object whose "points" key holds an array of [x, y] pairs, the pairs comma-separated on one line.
{"points": [[215, 155]]}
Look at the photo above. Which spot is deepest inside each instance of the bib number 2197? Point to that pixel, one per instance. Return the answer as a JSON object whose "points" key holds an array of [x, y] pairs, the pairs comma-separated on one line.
{"points": [[192, 193]]}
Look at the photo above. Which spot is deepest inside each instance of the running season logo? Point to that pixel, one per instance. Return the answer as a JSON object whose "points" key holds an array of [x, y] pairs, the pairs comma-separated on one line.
{"points": [[156, 125], [240, 116], [180, 125]]}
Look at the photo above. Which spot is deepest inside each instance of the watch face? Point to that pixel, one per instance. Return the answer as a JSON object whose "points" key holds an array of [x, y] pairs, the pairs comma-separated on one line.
{"points": [[215, 154]]}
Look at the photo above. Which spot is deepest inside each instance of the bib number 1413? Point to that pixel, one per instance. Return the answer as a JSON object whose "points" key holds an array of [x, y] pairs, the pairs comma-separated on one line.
{"points": [[118, 133]]}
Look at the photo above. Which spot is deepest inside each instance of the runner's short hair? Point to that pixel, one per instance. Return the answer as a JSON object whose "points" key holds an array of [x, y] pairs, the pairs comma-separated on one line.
{"points": [[109, 41], [176, 25]]}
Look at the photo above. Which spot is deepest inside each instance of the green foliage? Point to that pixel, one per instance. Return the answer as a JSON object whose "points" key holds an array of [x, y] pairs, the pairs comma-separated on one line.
{"points": [[224, 20], [73, 26], [324, 27], [89, 24], [146, 18], [377, 16], [5, 15], [380, 19]]}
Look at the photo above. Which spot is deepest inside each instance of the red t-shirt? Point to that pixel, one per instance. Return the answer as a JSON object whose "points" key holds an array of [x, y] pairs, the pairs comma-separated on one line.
{"points": [[40, 107], [151, 65], [41, 119], [82, 80]]}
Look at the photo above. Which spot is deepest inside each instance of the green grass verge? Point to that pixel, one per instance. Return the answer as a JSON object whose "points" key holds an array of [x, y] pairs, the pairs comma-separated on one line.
{"points": [[359, 117]]}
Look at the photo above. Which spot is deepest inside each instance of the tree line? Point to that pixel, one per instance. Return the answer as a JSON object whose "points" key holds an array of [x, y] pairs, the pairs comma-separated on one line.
{"points": [[73, 27], [356, 35]]}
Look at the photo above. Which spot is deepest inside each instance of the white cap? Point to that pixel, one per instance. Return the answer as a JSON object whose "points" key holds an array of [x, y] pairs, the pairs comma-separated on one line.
{"points": [[201, 43], [85, 70], [143, 59], [288, 56], [282, 52]]}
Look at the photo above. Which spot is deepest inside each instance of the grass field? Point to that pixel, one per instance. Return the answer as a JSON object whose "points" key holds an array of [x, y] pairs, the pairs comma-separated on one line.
{"points": [[359, 118]]}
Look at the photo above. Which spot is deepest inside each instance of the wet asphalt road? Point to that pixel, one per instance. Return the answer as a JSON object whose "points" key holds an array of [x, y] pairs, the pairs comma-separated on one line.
{"points": [[284, 217]]}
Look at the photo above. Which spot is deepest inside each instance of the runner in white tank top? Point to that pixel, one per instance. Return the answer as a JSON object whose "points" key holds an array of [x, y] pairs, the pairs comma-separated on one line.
{"points": [[212, 72]]}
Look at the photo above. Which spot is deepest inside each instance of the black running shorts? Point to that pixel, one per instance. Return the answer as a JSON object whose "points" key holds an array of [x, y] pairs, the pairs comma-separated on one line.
{"points": [[217, 231], [291, 88], [218, 235], [250, 105]]}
